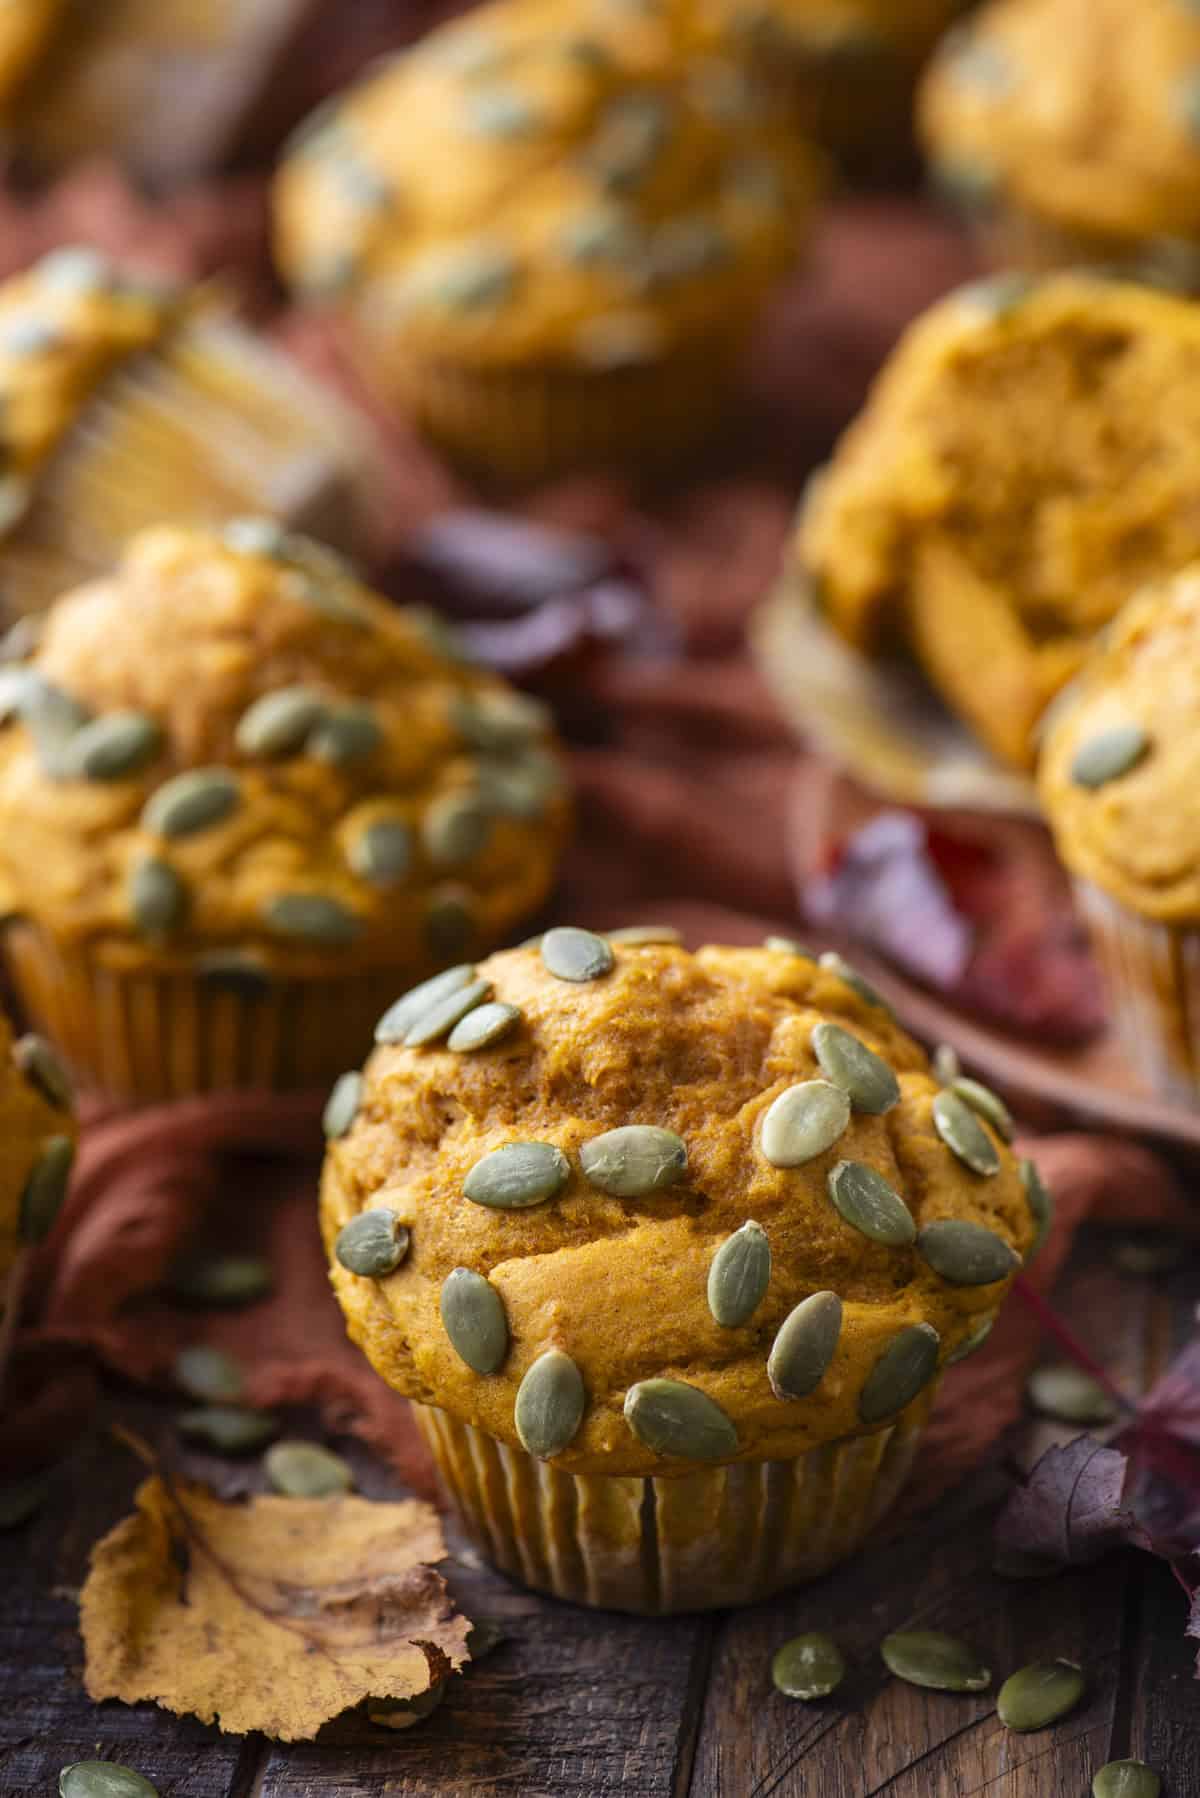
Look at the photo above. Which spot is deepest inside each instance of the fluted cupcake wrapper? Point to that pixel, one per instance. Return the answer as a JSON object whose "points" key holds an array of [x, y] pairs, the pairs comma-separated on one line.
{"points": [[1152, 972], [719, 1536]]}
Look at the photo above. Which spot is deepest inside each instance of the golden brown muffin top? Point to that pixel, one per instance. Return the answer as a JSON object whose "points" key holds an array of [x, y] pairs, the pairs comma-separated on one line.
{"points": [[230, 744], [1084, 111], [26, 28], [743, 1181], [575, 185], [37, 1143], [1121, 761]]}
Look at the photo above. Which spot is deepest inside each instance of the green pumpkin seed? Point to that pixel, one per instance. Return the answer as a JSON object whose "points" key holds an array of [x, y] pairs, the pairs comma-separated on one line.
{"points": [[947, 1068], [39, 1064], [634, 1160], [550, 1405], [638, 936], [1039, 1695], [341, 1107], [279, 723], [191, 802], [76, 269], [209, 1375], [400, 1017], [103, 1779], [868, 1203], [672, 1418], [455, 830], [311, 918], [1041, 1206], [474, 1317], [808, 1667], [683, 247], [46, 1188], [157, 895], [970, 185], [864, 1076], [787, 945], [257, 537], [484, 1637], [975, 1339], [739, 1276], [228, 1429], [382, 853], [1126, 1779], [112, 747], [497, 722], [501, 112], [633, 130], [449, 924], [519, 789], [306, 1470], [965, 1253], [941, 1663], [52, 718], [602, 234], [804, 1346], [572, 954], [983, 1100], [465, 277], [373, 1244], [441, 1018], [803, 1122], [907, 1364], [23, 638], [964, 1135], [1066, 1392], [345, 735], [1108, 755], [850, 976], [997, 297], [518, 1175], [229, 1280], [22, 1499], [483, 1027]]}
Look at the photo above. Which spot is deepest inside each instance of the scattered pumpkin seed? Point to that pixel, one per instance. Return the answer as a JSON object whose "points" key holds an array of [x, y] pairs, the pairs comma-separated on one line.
{"points": [[550, 1405], [382, 853], [103, 1779], [158, 896], [518, 1175], [867, 1203], [373, 1244], [400, 1017], [306, 1470], [112, 747], [39, 1064], [907, 1364], [787, 945], [311, 918], [449, 924], [279, 723], [850, 976], [988, 1104], [483, 1027], [484, 1637], [947, 1068], [441, 1018], [804, 1346], [672, 1418], [341, 1107], [455, 830], [803, 1122], [964, 1135], [46, 1188], [22, 1499], [228, 1280], [1126, 1779], [808, 1667], [864, 1076], [209, 1375], [941, 1663], [975, 1339], [1108, 755], [191, 802], [228, 1429], [573, 954], [634, 1160], [637, 936], [1066, 1392], [965, 1253], [1041, 1205], [1038, 1695], [739, 1276], [346, 734], [474, 1316]]}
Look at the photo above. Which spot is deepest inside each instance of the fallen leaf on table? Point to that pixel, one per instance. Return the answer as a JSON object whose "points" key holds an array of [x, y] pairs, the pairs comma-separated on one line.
{"points": [[275, 1615]]}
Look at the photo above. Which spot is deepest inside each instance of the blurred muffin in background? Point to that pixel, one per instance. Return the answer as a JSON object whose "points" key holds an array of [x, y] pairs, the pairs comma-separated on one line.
{"points": [[1069, 131], [239, 794], [26, 28], [1025, 461], [550, 228]]}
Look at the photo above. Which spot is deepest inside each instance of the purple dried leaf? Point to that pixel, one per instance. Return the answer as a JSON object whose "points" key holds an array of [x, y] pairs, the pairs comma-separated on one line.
{"points": [[495, 565], [1070, 1511]]}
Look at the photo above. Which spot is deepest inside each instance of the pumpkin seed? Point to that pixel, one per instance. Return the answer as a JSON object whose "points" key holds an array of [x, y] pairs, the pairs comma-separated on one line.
{"points": [[279, 723], [518, 1175], [1064, 1391], [633, 129], [501, 112], [941, 1663], [22, 638], [497, 722], [484, 1637], [455, 830], [739, 1276], [52, 718], [966, 1253], [345, 735], [601, 234], [209, 1374], [804, 1346], [787, 945], [483, 1027], [907, 1364], [373, 1244], [257, 537], [1041, 1205], [441, 1018], [449, 924], [306, 1470], [228, 1429], [39, 1064], [519, 789], [684, 247], [473, 1314], [672, 1418], [984, 1101], [465, 277], [382, 853], [341, 1107], [947, 1068], [228, 1280], [1108, 755], [963, 1134], [864, 1076], [550, 1405], [233, 972], [311, 918], [967, 183], [400, 1017], [634, 1160], [975, 1339], [1126, 1779], [850, 976], [158, 896], [46, 1188], [1038, 1695], [190, 802], [637, 936], [103, 1779], [868, 1203], [112, 747], [808, 1667], [803, 1122], [572, 954], [997, 297]]}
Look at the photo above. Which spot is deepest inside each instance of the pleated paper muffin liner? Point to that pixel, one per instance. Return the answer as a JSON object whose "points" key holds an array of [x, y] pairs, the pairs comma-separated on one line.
{"points": [[1152, 972], [719, 1536]]}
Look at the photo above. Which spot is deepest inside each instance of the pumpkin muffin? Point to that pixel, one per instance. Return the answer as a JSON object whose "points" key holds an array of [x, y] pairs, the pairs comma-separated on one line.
{"points": [[549, 230], [1069, 131], [26, 27], [670, 1250], [1025, 462], [238, 794], [1118, 782]]}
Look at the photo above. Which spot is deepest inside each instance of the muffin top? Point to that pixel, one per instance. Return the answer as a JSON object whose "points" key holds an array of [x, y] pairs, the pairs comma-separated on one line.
{"points": [[1024, 462], [1122, 756], [1084, 111], [230, 744], [583, 188], [37, 1143], [642, 1208], [26, 27]]}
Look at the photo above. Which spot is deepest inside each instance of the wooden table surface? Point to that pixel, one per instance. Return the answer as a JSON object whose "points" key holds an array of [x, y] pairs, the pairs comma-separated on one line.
{"points": [[577, 1705]]}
